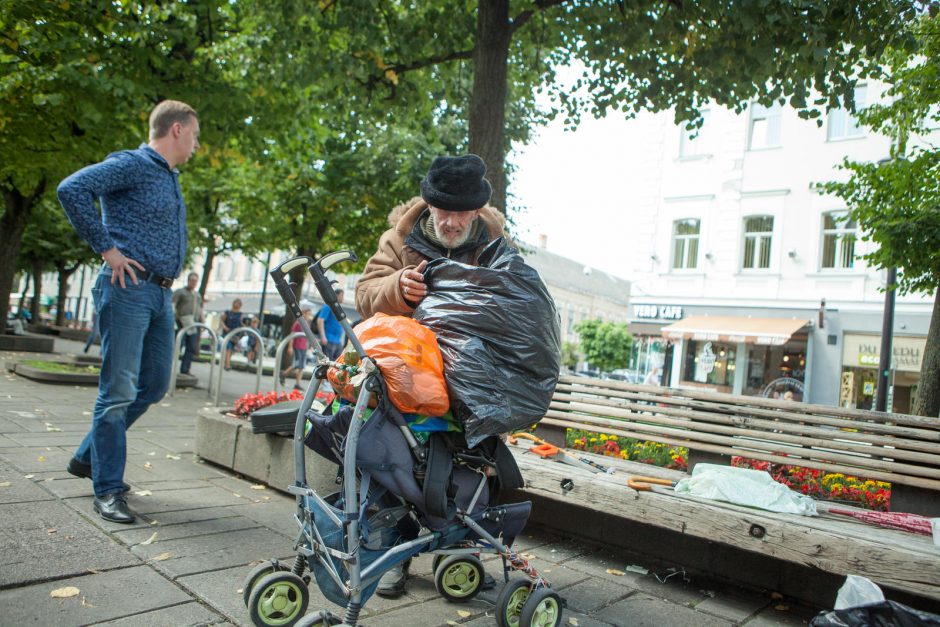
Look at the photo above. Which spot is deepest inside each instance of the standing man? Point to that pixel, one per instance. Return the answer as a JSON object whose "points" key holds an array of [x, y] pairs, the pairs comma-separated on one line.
{"points": [[187, 305], [450, 219], [141, 235], [331, 331]]}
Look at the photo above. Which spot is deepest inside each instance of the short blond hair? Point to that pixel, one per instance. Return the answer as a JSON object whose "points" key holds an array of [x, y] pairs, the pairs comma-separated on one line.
{"points": [[168, 113]]}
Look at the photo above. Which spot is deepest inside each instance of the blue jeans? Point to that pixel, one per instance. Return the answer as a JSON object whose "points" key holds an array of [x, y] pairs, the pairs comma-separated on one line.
{"points": [[137, 332], [190, 349]]}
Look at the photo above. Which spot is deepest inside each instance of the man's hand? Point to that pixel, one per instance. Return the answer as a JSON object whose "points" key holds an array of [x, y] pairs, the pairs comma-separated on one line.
{"points": [[323, 341], [120, 265], [412, 284]]}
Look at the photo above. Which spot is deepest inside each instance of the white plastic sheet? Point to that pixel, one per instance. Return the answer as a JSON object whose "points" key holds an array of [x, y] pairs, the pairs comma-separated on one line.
{"points": [[743, 486]]}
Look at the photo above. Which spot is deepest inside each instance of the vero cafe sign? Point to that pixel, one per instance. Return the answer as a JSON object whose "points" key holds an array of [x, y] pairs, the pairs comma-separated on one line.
{"points": [[864, 351]]}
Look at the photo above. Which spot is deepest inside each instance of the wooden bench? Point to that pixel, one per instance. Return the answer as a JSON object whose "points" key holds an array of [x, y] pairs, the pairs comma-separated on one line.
{"points": [[900, 449]]}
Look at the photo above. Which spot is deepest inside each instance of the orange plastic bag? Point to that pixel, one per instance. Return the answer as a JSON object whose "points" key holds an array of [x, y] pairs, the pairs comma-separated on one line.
{"points": [[410, 360]]}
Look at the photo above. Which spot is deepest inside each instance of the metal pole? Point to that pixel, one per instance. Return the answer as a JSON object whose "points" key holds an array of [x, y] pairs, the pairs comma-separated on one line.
{"points": [[887, 332], [264, 292]]}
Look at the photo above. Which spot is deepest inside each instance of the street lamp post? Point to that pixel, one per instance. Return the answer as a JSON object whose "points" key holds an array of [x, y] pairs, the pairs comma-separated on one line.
{"points": [[887, 332]]}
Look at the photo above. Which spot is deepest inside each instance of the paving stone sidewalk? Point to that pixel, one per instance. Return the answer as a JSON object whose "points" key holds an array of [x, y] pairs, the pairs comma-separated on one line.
{"points": [[200, 530]]}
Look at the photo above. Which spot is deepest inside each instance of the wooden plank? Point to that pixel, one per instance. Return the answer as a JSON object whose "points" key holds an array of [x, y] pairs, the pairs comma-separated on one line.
{"points": [[605, 410], [890, 558], [757, 401]]}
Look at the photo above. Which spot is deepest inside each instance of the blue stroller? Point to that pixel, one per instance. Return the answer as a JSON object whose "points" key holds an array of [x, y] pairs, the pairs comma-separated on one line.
{"points": [[398, 498]]}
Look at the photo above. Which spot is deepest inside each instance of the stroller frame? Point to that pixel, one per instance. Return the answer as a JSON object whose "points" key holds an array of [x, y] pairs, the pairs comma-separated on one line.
{"points": [[310, 544]]}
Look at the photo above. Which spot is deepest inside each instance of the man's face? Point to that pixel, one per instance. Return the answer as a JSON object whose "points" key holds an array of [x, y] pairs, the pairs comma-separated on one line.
{"points": [[187, 139], [191, 281], [453, 227]]}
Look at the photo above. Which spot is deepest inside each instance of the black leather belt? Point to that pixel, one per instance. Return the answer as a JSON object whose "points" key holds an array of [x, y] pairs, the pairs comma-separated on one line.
{"points": [[162, 281]]}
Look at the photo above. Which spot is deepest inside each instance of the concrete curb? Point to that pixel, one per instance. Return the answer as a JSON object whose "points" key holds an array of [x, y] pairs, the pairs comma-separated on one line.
{"points": [[267, 458]]}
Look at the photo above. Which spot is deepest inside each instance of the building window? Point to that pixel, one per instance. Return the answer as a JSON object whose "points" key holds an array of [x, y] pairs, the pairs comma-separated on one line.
{"points": [[765, 126], [838, 241], [685, 243], [692, 143], [842, 124], [248, 269], [232, 269], [758, 235]]}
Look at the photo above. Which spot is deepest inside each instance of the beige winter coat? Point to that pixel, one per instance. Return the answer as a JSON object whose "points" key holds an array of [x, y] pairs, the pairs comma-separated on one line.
{"points": [[378, 289]]}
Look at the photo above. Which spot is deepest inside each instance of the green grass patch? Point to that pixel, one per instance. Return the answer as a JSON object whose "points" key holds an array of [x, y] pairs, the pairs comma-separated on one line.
{"points": [[55, 366]]}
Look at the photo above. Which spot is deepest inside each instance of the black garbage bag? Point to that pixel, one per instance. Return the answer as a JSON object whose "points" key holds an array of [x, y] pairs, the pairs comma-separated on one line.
{"points": [[499, 335], [882, 614]]}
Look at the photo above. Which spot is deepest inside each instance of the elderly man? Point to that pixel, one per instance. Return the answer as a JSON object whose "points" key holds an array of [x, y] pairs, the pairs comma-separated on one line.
{"points": [[141, 236], [450, 219], [187, 305]]}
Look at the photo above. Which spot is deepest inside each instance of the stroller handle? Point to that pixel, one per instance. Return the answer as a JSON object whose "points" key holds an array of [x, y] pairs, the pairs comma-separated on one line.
{"points": [[279, 274], [325, 288]]}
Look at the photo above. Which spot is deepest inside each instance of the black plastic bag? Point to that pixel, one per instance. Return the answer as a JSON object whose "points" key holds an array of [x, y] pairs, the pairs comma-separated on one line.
{"points": [[498, 331], [883, 614]]}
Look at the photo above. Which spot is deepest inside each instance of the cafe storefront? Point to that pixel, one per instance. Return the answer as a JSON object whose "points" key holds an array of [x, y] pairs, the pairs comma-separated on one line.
{"points": [[752, 356], [861, 354]]}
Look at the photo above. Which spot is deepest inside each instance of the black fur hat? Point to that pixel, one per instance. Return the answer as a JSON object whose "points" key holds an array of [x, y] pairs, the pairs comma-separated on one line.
{"points": [[456, 184]]}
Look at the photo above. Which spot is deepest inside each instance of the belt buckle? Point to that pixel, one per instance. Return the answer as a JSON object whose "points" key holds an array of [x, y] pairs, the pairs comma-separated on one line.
{"points": [[165, 282]]}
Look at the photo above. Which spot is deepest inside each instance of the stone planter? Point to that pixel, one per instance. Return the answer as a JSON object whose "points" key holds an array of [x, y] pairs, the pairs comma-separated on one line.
{"points": [[26, 343], [266, 458], [68, 378]]}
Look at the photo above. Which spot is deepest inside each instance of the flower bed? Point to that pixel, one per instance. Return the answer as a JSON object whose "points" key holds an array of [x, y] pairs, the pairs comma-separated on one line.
{"points": [[824, 486], [645, 452], [253, 402]]}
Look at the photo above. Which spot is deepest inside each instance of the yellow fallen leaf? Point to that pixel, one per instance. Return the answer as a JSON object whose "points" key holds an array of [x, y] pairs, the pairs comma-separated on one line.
{"points": [[162, 557], [86, 413], [64, 593], [5, 484], [463, 613], [237, 495], [143, 493], [41, 458], [52, 531], [573, 621], [148, 465], [150, 539], [259, 487], [154, 522], [782, 607], [53, 429], [152, 453], [29, 476], [174, 457], [614, 571]]}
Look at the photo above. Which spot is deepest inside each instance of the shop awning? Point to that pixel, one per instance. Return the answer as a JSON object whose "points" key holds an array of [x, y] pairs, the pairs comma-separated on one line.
{"points": [[768, 331]]}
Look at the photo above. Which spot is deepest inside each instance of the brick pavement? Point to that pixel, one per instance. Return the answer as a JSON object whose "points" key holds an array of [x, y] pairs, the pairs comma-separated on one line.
{"points": [[200, 530]]}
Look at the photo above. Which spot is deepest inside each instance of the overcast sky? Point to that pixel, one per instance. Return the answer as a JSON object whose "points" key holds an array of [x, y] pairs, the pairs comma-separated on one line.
{"points": [[577, 188]]}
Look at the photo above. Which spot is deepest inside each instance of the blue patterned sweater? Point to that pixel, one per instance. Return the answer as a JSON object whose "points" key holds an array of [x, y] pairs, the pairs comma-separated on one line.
{"points": [[142, 208]]}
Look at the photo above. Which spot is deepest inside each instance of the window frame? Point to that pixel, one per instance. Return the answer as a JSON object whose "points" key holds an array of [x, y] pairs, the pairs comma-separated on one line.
{"points": [[760, 238], [846, 121], [686, 249], [839, 232], [773, 116], [698, 143]]}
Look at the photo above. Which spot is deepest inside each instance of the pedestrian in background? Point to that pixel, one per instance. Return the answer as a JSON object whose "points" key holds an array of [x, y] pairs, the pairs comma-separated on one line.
{"points": [[187, 305], [141, 235], [298, 350], [231, 319], [331, 332]]}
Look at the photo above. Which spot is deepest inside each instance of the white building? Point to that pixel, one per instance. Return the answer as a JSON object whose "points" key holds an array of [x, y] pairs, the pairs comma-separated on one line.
{"points": [[752, 274]]}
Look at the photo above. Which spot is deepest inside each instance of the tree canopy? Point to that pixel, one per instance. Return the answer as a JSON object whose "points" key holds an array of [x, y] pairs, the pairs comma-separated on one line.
{"points": [[896, 203], [606, 345]]}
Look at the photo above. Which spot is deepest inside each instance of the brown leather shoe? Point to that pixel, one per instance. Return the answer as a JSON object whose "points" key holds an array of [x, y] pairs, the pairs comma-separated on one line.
{"points": [[113, 507]]}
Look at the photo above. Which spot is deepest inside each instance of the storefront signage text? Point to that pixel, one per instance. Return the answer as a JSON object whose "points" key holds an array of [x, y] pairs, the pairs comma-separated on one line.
{"points": [[864, 351], [663, 312]]}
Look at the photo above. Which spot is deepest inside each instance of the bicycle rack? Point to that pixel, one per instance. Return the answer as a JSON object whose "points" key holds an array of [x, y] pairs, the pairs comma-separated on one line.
{"points": [[176, 354]]}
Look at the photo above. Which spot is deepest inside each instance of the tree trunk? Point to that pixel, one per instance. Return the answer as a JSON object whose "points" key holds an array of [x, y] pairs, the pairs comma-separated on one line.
{"points": [[17, 208], [928, 390], [64, 275], [35, 308], [206, 272], [488, 99]]}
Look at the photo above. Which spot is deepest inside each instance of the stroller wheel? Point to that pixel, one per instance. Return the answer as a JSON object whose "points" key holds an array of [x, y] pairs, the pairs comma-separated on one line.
{"points": [[323, 618], [259, 571], [510, 601], [459, 578], [543, 608], [278, 600]]}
